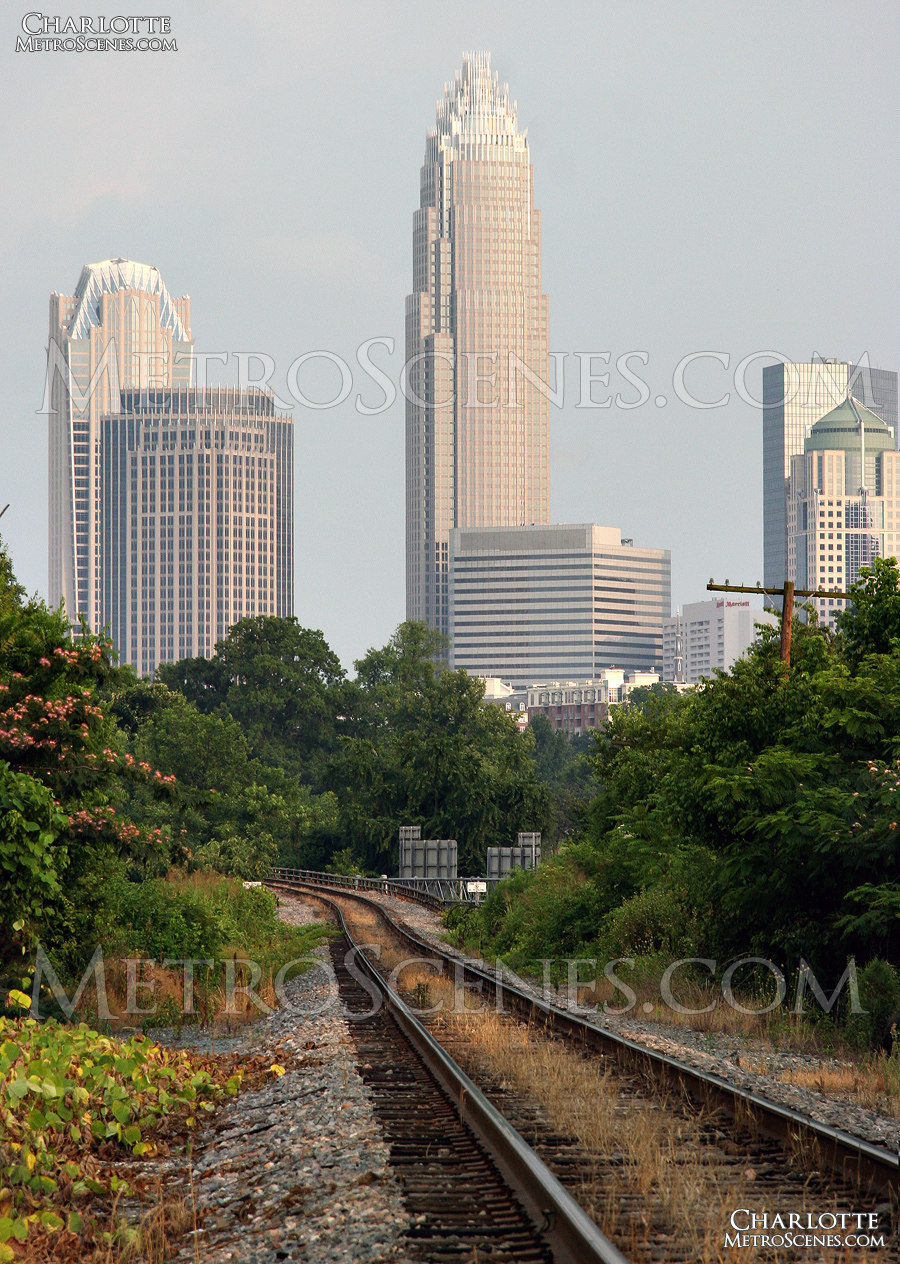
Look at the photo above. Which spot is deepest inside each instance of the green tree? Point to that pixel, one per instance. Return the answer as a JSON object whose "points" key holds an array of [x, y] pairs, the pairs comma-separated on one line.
{"points": [[758, 814], [223, 792], [33, 857], [429, 752], [779, 780], [562, 765], [65, 764], [12, 594], [280, 682], [871, 624]]}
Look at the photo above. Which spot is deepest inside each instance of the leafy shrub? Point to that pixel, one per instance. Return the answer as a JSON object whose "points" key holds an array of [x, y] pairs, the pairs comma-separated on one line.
{"points": [[31, 856], [160, 920], [879, 994], [197, 915], [67, 1094], [240, 856], [651, 922], [345, 863], [556, 910], [465, 924]]}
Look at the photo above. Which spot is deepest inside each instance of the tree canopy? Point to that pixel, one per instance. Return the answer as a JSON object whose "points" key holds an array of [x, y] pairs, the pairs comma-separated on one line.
{"points": [[428, 752], [281, 683], [758, 814]]}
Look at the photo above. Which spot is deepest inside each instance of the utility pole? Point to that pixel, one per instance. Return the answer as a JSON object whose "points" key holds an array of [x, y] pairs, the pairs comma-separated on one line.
{"points": [[787, 621], [787, 593]]}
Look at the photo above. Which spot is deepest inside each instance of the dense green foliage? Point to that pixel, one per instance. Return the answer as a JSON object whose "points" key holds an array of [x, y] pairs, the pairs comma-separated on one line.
{"points": [[756, 815], [64, 774], [562, 767], [32, 853], [279, 682], [427, 752], [263, 753], [202, 915], [233, 812], [69, 1096]]}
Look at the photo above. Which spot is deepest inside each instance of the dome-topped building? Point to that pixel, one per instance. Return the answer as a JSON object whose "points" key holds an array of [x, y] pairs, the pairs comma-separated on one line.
{"points": [[839, 520], [839, 430]]}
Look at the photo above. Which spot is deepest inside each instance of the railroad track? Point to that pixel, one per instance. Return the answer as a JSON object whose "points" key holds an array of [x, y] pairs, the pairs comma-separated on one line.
{"points": [[788, 1156], [473, 1189]]}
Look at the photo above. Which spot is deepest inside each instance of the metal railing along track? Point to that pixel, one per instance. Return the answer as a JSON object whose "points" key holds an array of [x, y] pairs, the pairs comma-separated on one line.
{"points": [[434, 893]]}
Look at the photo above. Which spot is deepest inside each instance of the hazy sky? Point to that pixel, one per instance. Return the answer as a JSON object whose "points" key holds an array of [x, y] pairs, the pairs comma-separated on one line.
{"points": [[712, 177]]}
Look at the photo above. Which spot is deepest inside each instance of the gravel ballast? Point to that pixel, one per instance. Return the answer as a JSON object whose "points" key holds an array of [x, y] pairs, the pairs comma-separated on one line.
{"points": [[298, 1168], [746, 1063]]}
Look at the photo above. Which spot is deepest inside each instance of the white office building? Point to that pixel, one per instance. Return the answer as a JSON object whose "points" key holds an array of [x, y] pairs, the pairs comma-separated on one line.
{"points": [[843, 504], [709, 635], [795, 397], [555, 602]]}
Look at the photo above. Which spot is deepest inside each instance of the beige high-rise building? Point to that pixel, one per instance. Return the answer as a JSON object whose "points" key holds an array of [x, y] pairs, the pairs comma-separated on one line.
{"points": [[795, 396], [843, 503], [197, 519], [477, 351], [120, 331], [171, 506]]}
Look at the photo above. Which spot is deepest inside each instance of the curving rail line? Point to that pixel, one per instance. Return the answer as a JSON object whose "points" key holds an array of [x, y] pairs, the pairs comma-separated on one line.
{"points": [[870, 1167], [570, 1234]]}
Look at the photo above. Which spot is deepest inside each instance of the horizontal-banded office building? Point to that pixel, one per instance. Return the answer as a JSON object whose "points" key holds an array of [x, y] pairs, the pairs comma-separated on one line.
{"points": [[197, 525], [555, 602]]}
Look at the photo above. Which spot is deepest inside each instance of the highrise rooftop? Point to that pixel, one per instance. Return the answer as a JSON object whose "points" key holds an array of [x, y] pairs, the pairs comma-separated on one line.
{"points": [[121, 274], [475, 110]]}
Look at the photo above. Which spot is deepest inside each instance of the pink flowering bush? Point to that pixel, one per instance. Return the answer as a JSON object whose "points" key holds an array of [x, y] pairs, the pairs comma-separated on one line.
{"points": [[64, 776]]}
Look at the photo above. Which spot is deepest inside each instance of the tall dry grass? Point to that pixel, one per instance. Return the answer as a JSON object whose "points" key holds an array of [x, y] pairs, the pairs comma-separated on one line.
{"points": [[652, 1186]]}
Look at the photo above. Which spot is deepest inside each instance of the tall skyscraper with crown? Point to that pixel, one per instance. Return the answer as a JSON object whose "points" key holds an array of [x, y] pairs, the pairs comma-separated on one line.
{"points": [[477, 349], [121, 330]]}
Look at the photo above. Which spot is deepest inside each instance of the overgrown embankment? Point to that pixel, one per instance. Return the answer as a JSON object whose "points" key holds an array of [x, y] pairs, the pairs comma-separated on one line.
{"points": [[753, 817]]}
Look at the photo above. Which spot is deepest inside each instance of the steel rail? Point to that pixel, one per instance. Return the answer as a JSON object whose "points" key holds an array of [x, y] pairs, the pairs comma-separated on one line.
{"points": [[436, 893], [868, 1166], [568, 1230]]}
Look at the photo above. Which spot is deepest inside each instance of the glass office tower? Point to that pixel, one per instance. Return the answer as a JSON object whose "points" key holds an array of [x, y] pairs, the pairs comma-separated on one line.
{"points": [[121, 330], [197, 521]]}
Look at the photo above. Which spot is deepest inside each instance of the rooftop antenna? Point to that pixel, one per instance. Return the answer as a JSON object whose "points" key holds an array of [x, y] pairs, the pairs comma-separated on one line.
{"points": [[862, 446]]}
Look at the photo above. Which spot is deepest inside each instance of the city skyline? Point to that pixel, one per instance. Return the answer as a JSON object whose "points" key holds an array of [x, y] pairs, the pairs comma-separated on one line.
{"points": [[676, 220]]}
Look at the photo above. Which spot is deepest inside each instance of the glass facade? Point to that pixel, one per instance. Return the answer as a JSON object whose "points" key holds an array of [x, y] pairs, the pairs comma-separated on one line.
{"points": [[795, 396]]}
